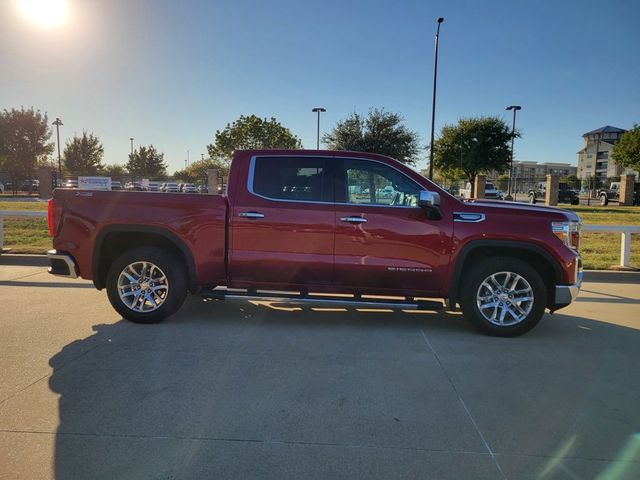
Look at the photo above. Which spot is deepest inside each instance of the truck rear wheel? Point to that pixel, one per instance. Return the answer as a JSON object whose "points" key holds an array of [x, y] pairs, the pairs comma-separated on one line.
{"points": [[146, 285], [604, 200], [532, 198], [503, 296]]}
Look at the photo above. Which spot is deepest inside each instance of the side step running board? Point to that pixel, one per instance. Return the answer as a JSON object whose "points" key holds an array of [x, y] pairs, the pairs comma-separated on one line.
{"points": [[322, 299]]}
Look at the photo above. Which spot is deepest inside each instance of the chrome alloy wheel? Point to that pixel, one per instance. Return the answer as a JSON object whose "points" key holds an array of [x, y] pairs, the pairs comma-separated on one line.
{"points": [[143, 287], [504, 298]]}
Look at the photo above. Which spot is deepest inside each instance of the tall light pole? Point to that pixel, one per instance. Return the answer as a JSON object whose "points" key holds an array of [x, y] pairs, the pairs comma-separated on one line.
{"points": [[58, 123], [131, 145], [515, 108], [433, 104], [318, 110]]}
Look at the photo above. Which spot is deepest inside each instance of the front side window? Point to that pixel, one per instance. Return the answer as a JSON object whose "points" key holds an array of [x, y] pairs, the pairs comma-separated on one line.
{"points": [[291, 178], [375, 183]]}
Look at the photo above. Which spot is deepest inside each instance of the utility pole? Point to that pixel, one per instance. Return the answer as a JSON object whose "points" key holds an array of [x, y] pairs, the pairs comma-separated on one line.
{"points": [[433, 104], [318, 110], [515, 108], [131, 145], [58, 123]]}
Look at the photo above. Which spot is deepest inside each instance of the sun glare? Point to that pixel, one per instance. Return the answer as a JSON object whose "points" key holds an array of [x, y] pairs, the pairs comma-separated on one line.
{"points": [[46, 13]]}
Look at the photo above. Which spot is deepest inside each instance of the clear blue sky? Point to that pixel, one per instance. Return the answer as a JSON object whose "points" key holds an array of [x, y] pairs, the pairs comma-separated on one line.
{"points": [[172, 72]]}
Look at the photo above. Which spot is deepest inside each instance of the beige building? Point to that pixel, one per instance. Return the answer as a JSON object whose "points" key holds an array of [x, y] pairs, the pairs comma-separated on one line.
{"points": [[527, 174], [593, 159]]}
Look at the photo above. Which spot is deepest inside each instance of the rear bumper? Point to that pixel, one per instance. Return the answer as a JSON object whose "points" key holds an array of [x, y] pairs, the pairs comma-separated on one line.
{"points": [[62, 264]]}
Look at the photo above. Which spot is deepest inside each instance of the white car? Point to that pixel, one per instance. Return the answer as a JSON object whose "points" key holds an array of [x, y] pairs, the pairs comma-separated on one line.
{"points": [[189, 188]]}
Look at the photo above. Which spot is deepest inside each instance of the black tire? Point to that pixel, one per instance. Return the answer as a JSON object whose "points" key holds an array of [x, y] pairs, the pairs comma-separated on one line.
{"points": [[575, 201], [470, 288], [176, 278], [532, 198], [604, 200]]}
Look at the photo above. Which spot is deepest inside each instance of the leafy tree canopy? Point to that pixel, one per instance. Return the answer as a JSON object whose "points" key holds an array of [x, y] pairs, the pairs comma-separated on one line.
{"points": [[197, 171], [83, 155], [627, 151], [147, 162], [473, 146], [114, 171], [24, 142], [251, 132], [380, 132]]}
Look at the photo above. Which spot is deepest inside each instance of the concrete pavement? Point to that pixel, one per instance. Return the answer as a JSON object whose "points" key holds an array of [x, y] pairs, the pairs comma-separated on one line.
{"points": [[238, 390]]}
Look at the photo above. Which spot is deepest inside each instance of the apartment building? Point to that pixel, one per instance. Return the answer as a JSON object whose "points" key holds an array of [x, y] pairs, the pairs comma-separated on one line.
{"points": [[593, 158]]}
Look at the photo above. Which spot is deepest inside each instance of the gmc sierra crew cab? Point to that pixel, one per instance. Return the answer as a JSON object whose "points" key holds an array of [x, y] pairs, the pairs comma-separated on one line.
{"points": [[320, 227]]}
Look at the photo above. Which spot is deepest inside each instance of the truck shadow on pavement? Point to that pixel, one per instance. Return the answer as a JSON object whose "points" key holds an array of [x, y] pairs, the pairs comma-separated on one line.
{"points": [[243, 391]]}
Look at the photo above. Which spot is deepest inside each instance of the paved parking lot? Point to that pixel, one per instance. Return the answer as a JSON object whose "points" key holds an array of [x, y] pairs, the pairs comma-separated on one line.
{"points": [[250, 391]]}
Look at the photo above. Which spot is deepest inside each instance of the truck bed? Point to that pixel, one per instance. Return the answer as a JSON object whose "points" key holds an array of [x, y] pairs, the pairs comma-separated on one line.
{"points": [[196, 221]]}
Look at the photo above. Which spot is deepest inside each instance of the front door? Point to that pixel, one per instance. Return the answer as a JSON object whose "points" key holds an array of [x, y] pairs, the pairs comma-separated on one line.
{"points": [[282, 223], [383, 239]]}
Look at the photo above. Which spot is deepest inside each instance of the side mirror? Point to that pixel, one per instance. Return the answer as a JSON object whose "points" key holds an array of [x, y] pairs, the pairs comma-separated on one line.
{"points": [[428, 199]]}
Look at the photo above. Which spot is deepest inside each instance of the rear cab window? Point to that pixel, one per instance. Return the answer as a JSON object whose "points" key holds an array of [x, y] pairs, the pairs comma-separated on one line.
{"points": [[302, 179]]}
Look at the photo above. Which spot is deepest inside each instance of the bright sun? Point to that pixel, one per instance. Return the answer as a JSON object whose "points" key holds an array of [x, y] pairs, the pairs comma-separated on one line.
{"points": [[46, 13]]}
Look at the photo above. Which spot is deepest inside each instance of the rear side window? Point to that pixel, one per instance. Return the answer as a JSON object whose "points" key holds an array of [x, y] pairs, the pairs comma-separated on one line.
{"points": [[292, 178]]}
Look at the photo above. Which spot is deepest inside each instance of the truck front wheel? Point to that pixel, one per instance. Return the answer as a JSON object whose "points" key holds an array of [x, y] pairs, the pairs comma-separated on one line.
{"points": [[604, 200], [532, 198], [503, 296], [146, 285]]}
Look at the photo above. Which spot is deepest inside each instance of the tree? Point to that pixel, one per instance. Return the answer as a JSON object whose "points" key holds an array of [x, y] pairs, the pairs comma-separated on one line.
{"points": [[380, 132], [147, 162], [197, 171], [474, 145], [114, 171], [251, 132], [626, 152], [24, 142], [83, 155]]}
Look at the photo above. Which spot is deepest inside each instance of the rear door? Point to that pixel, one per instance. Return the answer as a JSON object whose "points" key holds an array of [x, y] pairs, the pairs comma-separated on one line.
{"points": [[383, 239], [282, 223]]}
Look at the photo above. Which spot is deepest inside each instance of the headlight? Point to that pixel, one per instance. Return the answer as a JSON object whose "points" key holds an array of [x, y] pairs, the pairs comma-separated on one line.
{"points": [[568, 233]]}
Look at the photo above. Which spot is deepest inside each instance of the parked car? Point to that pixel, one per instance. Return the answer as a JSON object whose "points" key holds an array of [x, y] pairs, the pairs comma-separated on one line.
{"points": [[1, 188], [154, 187], [189, 188], [265, 236], [612, 194], [115, 185], [490, 191], [30, 186], [134, 187], [565, 194], [70, 184], [170, 187], [203, 189]]}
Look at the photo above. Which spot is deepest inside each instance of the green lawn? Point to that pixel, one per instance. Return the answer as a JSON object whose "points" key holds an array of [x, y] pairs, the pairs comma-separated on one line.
{"points": [[599, 250]]}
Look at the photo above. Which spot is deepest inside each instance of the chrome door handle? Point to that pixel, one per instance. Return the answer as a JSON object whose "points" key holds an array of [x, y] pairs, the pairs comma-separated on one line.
{"points": [[251, 215], [353, 219]]}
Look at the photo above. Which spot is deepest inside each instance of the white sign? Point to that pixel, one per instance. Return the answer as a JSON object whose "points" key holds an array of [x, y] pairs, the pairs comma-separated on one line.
{"points": [[94, 183]]}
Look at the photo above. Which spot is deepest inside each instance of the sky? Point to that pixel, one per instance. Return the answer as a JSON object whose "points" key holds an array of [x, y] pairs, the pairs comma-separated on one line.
{"points": [[171, 73]]}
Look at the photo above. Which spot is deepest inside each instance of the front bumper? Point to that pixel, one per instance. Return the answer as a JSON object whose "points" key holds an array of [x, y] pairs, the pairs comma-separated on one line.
{"points": [[62, 264], [565, 294]]}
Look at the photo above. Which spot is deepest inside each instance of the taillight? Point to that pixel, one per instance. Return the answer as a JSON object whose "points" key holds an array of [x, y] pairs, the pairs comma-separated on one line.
{"points": [[54, 213]]}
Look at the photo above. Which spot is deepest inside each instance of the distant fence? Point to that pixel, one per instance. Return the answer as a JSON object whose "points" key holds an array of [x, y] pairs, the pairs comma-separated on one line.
{"points": [[624, 230]]}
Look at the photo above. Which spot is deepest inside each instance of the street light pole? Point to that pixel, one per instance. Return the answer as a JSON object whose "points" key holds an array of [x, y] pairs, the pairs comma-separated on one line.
{"points": [[433, 105], [515, 108], [131, 145], [58, 123], [318, 110]]}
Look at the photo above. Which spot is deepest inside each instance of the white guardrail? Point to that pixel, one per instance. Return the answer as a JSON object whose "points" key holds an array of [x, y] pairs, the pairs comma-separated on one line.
{"points": [[625, 230]]}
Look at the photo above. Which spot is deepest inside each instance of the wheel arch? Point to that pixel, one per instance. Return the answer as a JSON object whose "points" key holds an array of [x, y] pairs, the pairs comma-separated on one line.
{"points": [[535, 255], [113, 240]]}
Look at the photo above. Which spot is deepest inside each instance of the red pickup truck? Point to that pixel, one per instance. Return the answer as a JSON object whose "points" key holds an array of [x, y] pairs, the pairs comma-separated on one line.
{"points": [[312, 226]]}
